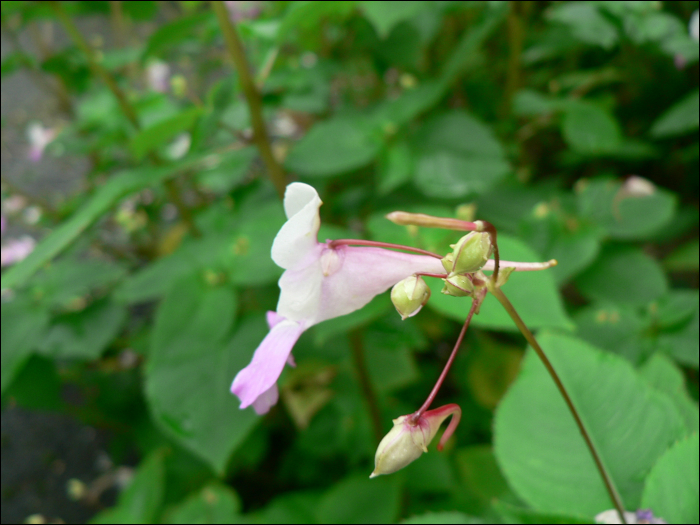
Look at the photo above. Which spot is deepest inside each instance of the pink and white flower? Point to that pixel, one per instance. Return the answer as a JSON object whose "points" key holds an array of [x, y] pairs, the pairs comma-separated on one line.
{"points": [[320, 282], [39, 137]]}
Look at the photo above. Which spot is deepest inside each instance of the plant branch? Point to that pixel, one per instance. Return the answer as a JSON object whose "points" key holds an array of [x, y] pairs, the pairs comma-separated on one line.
{"points": [[476, 302], [252, 95], [358, 356], [607, 480]]}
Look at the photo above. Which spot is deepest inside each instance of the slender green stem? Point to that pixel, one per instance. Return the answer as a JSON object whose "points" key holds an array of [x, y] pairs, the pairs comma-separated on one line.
{"points": [[124, 104], [358, 356], [607, 480], [252, 95]]}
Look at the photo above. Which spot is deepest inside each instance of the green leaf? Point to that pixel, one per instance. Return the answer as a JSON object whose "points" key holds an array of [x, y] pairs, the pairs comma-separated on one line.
{"points": [[533, 294], [450, 175], [681, 118], [385, 15], [175, 32], [85, 334], [192, 363], [156, 135], [459, 132], [480, 473], [590, 130], [682, 343], [141, 500], [391, 369], [357, 499], [335, 146], [606, 203], [23, 327], [214, 503], [540, 449], [105, 197], [617, 274], [525, 516], [663, 375], [395, 168], [410, 104], [613, 327], [671, 489], [64, 281], [307, 15], [586, 23], [292, 507], [684, 258], [445, 516], [332, 327], [37, 385]]}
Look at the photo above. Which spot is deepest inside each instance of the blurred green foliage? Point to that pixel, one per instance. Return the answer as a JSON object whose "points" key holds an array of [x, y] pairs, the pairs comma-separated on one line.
{"points": [[571, 126]]}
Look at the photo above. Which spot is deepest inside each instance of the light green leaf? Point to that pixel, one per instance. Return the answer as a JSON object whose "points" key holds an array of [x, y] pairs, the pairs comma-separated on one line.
{"points": [[663, 375], [671, 489], [192, 363], [617, 274], [459, 132], [385, 15], [590, 130], [540, 449], [357, 499], [683, 342], [85, 334], [533, 294], [395, 168], [175, 32], [215, 503], [586, 23], [141, 500], [450, 175], [681, 118], [446, 516], [157, 135], [624, 216], [335, 146]]}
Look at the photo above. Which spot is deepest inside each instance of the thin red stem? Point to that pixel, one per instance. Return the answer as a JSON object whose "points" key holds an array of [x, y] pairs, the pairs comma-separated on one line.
{"points": [[475, 305], [438, 275], [378, 244]]}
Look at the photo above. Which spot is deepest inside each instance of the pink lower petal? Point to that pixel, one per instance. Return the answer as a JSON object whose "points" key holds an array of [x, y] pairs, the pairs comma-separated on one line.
{"points": [[262, 373], [266, 400]]}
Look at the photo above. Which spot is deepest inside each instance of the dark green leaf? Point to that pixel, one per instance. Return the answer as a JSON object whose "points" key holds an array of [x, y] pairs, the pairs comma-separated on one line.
{"points": [[335, 146], [215, 503], [445, 516], [385, 15], [23, 327], [623, 275], [589, 129], [681, 118], [175, 32], [192, 363], [357, 499], [141, 500], [586, 23]]}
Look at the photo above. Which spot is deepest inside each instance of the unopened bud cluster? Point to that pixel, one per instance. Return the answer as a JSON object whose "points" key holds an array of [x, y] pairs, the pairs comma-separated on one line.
{"points": [[468, 256]]}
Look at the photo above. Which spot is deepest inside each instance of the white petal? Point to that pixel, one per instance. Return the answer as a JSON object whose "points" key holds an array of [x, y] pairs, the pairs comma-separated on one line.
{"points": [[295, 242]]}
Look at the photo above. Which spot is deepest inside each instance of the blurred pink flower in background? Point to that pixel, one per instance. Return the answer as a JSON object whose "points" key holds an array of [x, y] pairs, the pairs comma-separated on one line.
{"points": [[239, 11], [158, 76], [39, 137], [14, 250]]}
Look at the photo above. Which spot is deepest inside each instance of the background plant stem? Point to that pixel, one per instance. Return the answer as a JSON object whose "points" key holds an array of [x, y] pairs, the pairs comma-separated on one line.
{"points": [[607, 480], [358, 356], [126, 107], [252, 95]]}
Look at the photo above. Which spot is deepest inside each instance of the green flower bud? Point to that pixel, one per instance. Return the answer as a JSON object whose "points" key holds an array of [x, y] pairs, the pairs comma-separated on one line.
{"points": [[409, 296], [471, 252], [458, 286]]}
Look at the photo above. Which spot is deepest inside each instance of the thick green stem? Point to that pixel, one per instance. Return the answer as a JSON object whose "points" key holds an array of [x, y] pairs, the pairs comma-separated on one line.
{"points": [[607, 480], [252, 95]]}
